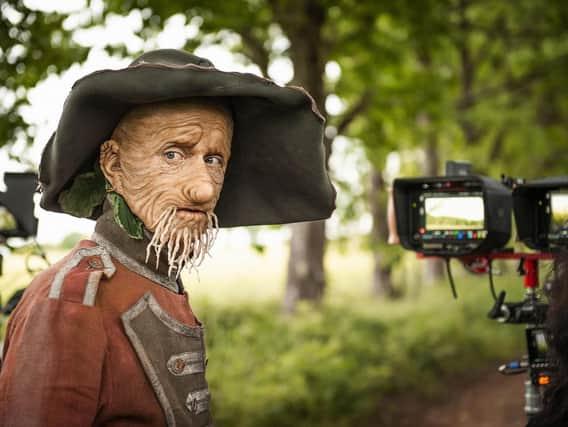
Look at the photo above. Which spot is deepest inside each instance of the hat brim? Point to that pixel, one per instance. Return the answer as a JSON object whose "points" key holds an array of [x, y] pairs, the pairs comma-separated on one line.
{"points": [[277, 171]]}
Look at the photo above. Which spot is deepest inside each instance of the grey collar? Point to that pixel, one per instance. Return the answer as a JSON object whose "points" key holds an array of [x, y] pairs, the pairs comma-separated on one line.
{"points": [[131, 252]]}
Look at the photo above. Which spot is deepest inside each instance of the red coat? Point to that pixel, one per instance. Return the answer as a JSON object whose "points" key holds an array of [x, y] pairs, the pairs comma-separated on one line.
{"points": [[129, 354]]}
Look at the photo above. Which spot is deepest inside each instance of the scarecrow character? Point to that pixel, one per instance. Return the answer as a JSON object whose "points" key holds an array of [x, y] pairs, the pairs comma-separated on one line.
{"points": [[161, 154]]}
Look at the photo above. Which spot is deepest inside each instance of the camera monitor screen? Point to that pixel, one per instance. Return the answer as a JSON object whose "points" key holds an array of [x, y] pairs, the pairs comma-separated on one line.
{"points": [[454, 213], [558, 214]]}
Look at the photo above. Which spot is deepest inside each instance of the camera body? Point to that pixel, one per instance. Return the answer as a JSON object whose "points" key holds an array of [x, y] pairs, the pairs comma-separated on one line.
{"points": [[541, 213], [452, 215], [470, 215], [17, 206]]}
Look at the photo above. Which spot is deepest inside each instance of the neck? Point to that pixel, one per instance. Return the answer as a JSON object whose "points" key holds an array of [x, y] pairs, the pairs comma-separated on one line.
{"points": [[132, 252]]}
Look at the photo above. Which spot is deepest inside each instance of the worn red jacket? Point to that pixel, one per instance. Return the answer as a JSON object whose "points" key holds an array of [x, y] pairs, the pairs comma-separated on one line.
{"points": [[101, 339]]}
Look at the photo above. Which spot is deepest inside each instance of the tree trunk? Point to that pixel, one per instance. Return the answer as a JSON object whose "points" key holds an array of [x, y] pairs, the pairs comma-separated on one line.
{"points": [[306, 277], [466, 101], [302, 22], [381, 284], [433, 268]]}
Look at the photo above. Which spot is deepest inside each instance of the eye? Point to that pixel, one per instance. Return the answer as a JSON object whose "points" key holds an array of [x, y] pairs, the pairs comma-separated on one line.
{"points": [[173, 155], [214, 160]]}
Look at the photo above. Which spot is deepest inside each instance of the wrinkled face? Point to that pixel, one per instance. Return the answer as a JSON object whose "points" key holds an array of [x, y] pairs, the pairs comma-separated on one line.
{"points": [[168, 161]]}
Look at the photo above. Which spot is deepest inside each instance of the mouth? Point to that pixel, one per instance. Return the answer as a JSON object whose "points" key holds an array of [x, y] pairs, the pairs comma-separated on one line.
{"points": [[189, 212]]}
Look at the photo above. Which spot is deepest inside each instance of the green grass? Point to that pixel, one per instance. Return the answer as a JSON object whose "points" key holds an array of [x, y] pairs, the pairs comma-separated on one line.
{"points": [[330, 367], [233, 275]]}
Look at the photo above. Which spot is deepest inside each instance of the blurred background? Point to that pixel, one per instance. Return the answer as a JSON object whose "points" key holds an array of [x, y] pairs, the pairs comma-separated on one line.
{"points": [[324, 323]]}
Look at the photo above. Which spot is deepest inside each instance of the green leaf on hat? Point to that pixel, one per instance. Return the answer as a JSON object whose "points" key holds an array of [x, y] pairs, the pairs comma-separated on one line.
{"points": [[124, 216], [85, 194], [89, 191]]}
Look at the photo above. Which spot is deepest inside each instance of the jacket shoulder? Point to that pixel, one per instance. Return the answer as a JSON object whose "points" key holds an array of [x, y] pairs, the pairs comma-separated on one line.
{"points": [[76, 278]]}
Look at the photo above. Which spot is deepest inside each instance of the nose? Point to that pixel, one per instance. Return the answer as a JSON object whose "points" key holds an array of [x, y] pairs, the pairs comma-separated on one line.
{"points": [[201, 192]]}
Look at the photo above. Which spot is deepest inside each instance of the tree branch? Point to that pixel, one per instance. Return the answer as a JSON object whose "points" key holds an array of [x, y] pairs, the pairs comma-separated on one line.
{"points": [[255, 50], [541, 71], [356, 109], [498, 142]]}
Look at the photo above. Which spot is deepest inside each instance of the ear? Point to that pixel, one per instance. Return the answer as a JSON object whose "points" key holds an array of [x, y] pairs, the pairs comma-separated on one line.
{"points": [[109, 161]]}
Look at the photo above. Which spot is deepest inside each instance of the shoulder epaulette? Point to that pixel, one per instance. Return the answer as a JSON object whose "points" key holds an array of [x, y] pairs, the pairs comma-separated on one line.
{"points": [[107, 269]]}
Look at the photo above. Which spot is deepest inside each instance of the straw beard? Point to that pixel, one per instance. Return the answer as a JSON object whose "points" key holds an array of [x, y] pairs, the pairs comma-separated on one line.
{"points": [[187, 245]]}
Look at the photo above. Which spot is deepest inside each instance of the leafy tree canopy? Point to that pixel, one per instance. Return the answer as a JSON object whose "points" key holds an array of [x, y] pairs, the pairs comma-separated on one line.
{"points": [[33, 44]]}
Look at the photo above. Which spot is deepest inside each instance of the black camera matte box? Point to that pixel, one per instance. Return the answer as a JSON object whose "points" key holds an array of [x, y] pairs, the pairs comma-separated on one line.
{"points": [[18, 200], [532, 212], [497, 204]]}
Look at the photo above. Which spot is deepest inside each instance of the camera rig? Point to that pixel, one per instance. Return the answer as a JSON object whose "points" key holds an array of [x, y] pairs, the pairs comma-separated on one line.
{"points": [[17, 217], [17, 220], [17, 205], [468, 217]]}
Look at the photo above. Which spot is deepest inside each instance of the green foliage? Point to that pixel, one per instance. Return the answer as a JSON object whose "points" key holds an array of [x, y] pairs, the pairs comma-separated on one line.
{"points": [[124, 216], [33, 44], [85, 194], [470, 81], [7, 220], [485, 83], [330, 368], [89, 191]]}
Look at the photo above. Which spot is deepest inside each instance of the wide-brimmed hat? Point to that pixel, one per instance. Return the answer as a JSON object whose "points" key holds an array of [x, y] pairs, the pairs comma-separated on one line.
{"points": [[276, 174]]}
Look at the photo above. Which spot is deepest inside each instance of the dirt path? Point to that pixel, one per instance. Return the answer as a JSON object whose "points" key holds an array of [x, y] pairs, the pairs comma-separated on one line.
{"points": [[484, 400]]}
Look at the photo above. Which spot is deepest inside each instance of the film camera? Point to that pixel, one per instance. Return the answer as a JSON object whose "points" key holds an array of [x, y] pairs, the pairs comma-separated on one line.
{"points": [[17, 206], [456, 216], [16, 220], [17, 212], [463, 215], [468, 217]]}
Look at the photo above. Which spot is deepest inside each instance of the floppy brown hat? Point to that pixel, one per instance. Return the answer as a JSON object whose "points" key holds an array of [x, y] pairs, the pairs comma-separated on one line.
{"points": [[277, 171]]}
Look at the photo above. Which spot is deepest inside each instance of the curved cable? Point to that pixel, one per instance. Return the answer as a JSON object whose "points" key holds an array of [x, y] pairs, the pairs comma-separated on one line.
{"points": [[491, 282], [451, 278]]}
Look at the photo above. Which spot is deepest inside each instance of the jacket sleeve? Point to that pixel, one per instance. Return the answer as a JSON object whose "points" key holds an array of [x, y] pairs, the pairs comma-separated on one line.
{"points": [[54, 356]]}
